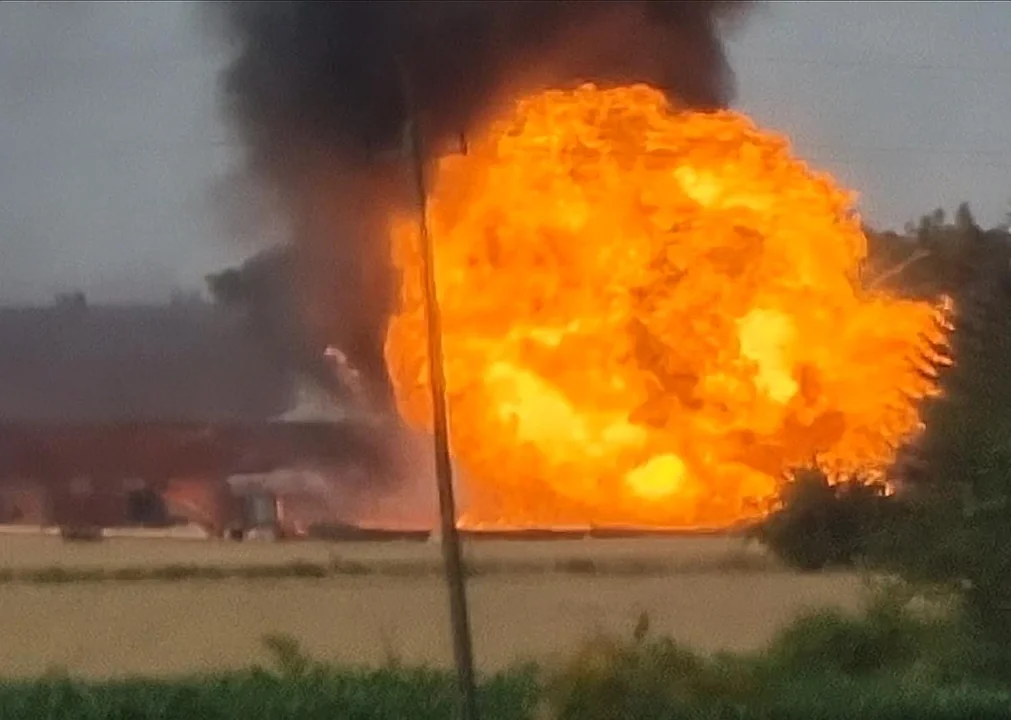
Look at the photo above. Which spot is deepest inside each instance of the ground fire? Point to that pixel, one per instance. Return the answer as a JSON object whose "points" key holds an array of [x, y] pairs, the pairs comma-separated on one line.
{"points": [[649, 317]]}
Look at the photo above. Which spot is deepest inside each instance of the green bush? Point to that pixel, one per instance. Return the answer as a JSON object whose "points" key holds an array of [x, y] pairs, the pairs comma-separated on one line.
{"points": [[611, 679], [886, 639], [889, 655], [820, 524]]}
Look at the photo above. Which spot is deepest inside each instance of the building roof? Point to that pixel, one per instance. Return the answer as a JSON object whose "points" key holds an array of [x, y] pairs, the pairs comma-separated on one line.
{"points": [[110, 451], [185, 362]]}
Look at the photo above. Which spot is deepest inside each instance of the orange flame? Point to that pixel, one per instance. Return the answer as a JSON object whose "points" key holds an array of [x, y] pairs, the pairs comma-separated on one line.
{"points": [[649, 316]]}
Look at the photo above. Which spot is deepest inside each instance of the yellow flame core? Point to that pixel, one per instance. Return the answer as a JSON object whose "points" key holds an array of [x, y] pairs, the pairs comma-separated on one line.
{"points": [[649, 316]]}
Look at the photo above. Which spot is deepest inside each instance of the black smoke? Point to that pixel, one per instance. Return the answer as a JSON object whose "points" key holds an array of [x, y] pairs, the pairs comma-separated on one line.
{"points": [[319, 93]]}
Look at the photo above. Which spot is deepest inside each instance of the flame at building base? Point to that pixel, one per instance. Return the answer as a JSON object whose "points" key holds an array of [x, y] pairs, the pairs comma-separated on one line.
{"points": [[650, 316]]}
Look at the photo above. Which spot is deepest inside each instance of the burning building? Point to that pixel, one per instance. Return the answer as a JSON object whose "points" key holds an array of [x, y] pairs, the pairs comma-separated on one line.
{"points": [[652, 310], [150, 416]]}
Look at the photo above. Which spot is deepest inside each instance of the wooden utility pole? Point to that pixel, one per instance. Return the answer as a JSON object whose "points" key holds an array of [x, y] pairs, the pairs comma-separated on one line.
{"points": [[452, 557]]}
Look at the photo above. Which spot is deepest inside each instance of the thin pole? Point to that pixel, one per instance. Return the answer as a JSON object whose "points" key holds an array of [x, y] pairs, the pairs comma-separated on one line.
{"points": [[452, 558]]}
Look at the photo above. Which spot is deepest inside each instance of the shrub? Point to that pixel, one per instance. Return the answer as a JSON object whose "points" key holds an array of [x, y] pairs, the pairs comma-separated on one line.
{"points": [[290, 660], [820, 524], [645, 677], [900, 634], [891, 646], [886, 638]]}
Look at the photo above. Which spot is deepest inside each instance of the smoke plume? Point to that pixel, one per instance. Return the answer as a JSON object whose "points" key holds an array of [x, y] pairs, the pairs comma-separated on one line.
{"points": [[319, 91]]}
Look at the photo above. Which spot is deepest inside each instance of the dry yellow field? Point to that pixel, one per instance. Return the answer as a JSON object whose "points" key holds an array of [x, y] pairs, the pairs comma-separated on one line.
{"points": [[35, 550], [116, 628]]}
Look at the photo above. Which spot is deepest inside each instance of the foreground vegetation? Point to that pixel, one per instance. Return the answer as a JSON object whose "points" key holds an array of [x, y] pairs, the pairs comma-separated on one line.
{"points": [[421, 695], [891, 661]]}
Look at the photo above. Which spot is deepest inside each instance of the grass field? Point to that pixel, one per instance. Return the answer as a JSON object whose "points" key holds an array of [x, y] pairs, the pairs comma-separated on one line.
{"points": [[711, 593]]}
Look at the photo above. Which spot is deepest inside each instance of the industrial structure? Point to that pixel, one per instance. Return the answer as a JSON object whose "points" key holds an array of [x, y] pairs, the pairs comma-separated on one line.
{"points": [[152, 416]]}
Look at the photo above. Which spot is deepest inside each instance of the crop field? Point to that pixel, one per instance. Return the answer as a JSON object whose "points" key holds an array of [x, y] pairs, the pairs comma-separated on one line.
{"points": [[530, 600]]}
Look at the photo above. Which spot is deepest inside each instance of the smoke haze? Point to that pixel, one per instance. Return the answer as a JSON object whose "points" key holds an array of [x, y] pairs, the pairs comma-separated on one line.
{"points": [[317, 90]]}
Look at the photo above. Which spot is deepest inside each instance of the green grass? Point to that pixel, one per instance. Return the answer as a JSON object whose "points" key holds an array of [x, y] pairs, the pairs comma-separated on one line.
{"points": [[395, 694], [350, 695]]}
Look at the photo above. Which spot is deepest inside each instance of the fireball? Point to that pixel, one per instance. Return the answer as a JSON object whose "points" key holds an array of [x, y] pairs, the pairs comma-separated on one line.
{"points": [[650, 315]]}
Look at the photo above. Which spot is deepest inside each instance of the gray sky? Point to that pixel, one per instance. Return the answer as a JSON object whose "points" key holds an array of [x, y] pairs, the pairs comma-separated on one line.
{"points": [[111, 146]]}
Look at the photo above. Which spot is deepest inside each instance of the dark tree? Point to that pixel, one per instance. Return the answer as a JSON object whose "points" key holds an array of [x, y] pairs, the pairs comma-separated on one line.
{"points": [[957, 530], [964, 221], [821, 524]]}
